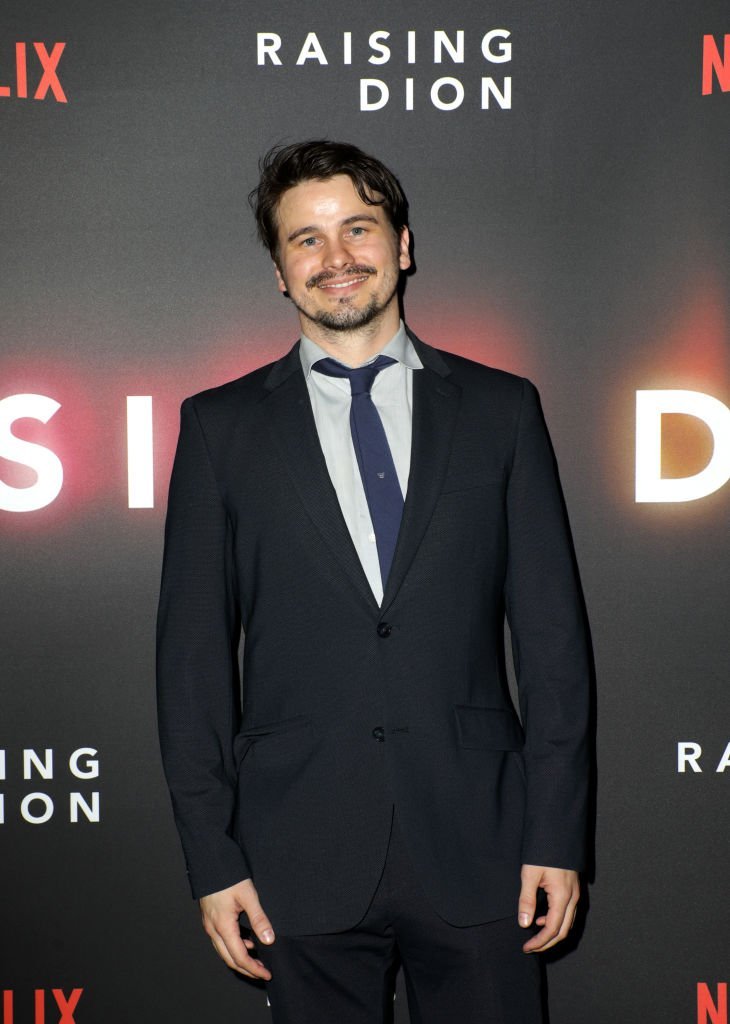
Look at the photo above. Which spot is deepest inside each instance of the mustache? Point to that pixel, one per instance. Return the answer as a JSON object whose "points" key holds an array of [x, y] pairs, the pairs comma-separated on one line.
{"points": [[357, 270]]}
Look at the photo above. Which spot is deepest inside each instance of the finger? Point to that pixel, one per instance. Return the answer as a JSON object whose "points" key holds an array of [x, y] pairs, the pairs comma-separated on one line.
{"points": [[543, 939], [556, 926], [565, 927], [222, 951], [231, 947], [238, 952], [259, 922], [527, 902], [233, 952]]}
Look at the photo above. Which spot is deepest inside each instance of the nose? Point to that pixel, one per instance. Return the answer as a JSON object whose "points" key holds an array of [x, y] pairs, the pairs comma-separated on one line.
{"points": [[336, 254]]}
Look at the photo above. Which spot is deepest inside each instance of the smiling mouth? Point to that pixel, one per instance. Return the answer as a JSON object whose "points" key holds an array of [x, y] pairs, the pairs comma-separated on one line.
{"points": [[343, 284], [354, 275]]}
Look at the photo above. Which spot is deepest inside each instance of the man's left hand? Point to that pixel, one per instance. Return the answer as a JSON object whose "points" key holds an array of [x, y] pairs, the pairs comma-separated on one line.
{"points": [[562, 890]]}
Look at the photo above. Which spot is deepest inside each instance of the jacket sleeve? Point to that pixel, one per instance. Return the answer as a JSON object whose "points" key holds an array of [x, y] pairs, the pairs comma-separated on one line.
{"points": [[198, 630], [551, 649]]}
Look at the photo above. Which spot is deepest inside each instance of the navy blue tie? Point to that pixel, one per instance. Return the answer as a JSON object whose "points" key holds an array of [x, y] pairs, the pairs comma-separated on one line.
{"points": [[377, 469]]}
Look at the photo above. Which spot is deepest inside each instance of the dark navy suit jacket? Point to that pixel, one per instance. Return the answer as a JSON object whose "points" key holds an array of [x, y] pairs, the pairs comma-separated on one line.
{"points": [[349, 708]]}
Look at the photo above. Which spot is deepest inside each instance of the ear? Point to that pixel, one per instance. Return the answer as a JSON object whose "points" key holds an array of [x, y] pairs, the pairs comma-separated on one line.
{"points": [[281, 283], [404, 244]]}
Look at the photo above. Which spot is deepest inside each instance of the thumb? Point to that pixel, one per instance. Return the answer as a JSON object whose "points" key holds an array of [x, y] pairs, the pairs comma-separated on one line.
{"points": [[527, 903], [259, 922]]}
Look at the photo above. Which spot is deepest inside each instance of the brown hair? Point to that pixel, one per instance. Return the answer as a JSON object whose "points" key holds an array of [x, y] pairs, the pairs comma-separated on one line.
{"points": [[283, 167]]}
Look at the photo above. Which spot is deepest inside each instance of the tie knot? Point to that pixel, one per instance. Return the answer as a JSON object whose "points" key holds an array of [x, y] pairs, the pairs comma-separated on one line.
{"points": [[361, 377]]}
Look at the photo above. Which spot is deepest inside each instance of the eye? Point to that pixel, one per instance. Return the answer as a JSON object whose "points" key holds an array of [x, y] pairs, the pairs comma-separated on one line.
{"points": [[309, 242], [357, 230]]}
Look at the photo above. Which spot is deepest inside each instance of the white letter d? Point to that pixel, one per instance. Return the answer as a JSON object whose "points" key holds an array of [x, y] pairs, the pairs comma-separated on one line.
{"points": [[650, 405]]}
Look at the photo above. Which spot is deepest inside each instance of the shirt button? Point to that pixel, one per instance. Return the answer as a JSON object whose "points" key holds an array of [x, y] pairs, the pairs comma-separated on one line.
{"points": [[379, 733], [371, 537], [384, 629]]}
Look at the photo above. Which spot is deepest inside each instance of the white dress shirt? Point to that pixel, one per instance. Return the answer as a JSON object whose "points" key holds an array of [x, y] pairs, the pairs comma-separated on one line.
{"points": [[392, 395]]}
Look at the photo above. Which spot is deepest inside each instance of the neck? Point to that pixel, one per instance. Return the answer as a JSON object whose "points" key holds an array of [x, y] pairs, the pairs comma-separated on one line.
{"points": [[357, 346]]}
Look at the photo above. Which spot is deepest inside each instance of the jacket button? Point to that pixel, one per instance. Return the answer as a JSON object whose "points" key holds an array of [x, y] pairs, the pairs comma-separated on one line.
{"points": [[384, 629], [379, 733]]}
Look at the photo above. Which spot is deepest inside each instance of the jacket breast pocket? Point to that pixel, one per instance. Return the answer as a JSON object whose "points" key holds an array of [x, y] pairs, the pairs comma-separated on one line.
{"points": [[479, 728], [459, 482]]}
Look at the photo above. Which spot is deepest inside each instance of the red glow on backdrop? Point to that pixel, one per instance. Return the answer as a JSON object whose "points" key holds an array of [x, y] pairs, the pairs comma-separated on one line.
{"points": [[88, 432], [689, 348], [686, 347], [695, 346], [479, 333], [693, 353], [223, 359]]}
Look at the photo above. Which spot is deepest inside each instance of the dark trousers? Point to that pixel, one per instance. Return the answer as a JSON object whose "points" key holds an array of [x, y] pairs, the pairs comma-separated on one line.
{"points": [[474, 975]]}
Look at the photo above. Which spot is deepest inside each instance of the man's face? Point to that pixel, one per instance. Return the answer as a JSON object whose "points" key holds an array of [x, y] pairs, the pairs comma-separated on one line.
{"points": [[339, 259]]}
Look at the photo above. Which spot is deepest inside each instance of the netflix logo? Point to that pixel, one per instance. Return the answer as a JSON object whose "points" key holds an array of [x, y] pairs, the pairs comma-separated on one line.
{"points": [[61, 1007], [32, 71], [715, 68], [712, 1007]]}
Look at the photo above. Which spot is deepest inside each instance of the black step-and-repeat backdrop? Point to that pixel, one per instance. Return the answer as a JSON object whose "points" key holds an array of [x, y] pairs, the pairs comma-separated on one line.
{"points": [[568, 166]]}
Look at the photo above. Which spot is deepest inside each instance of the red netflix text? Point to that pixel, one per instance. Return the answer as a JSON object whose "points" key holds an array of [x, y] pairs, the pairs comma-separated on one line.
{"points": [[711, 1009], [715, 68], [64, 1004], [43, 66]]}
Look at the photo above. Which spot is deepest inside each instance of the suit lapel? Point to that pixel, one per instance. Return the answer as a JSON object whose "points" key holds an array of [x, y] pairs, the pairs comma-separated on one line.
{"points": [[435, 410], [290, 418]]}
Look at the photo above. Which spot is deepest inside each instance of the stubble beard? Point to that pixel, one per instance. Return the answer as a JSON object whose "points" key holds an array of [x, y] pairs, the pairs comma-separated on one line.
{"points": [[346, 317]]}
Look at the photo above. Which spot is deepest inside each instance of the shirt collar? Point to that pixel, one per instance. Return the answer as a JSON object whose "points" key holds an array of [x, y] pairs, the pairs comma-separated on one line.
{"points": [[400, 347]]}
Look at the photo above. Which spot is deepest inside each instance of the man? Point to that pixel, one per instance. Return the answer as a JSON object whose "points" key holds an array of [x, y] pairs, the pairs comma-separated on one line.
{"points": [[376, 799]]}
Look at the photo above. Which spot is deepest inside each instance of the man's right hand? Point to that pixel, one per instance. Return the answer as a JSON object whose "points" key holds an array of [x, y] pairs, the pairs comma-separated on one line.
{"points": [[220, 912]]}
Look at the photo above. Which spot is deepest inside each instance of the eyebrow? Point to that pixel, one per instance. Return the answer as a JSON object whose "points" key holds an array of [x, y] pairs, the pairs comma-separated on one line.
{"points": [[312, 228]]}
